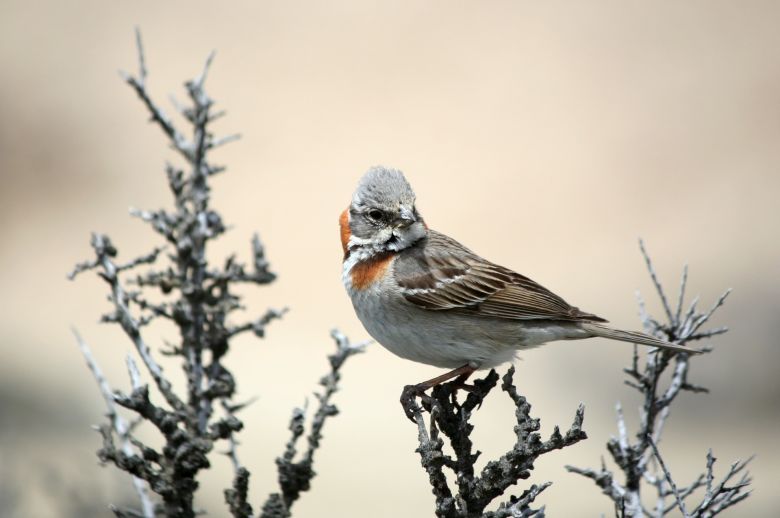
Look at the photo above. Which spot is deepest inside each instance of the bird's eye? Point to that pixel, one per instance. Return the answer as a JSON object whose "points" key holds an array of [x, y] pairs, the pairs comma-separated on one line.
{"points": [[375, 214]]}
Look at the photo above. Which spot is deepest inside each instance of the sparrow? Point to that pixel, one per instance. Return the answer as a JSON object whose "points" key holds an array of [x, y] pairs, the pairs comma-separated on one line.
{"points": [[427, 298]]}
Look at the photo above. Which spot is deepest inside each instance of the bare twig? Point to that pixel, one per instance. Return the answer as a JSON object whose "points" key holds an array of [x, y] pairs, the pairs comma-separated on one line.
{"points": [[657, 283], [633, 457], [295, 476], [178, 140], [119, 425], [669, 479]]}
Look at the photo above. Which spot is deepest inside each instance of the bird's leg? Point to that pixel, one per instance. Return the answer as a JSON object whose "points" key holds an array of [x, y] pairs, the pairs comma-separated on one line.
{"points": [[411, 392], [460, 381]]}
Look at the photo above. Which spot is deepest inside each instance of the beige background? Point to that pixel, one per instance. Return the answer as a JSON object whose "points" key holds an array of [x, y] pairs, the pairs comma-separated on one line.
{"points": [[546, 137]]}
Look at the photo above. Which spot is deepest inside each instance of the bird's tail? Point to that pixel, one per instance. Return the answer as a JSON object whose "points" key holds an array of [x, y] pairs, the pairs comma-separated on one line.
{"points": [[633, 337]]}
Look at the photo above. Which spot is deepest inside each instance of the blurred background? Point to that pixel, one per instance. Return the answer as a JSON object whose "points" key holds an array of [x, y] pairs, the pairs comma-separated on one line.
{"points": [[548, 138]]}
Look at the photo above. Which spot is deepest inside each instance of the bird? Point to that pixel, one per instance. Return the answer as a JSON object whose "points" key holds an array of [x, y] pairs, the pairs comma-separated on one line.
{"points": [[427, 298]]}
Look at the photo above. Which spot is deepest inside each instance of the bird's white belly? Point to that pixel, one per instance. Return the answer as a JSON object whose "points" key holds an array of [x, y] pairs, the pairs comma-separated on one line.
{"points": [[440, 338]]}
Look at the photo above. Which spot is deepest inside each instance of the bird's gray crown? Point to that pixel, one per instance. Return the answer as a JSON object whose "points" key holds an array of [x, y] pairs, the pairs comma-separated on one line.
{"points": [[383, 187]]}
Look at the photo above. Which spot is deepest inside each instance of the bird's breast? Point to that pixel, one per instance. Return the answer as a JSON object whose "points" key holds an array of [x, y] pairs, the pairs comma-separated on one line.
{"points": [[367, 273], [363, 273]]}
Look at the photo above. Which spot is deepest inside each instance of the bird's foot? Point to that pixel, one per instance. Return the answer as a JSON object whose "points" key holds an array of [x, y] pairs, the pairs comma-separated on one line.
{"points": [[412, 392], [409, 401]]}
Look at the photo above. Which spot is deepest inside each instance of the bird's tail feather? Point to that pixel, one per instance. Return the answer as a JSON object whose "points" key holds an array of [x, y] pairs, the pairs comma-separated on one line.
{"points": [[633, 337]]}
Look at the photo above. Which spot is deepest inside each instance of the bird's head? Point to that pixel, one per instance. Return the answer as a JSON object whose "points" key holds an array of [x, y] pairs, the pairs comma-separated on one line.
{"points": [[382, 214]]}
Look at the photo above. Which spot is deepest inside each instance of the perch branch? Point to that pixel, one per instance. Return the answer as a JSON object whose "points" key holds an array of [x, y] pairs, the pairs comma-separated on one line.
{"points": [[474, 492]]}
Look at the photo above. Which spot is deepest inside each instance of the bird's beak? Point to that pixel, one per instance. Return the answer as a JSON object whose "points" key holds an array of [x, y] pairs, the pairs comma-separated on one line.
{"points": [[406, 217]]}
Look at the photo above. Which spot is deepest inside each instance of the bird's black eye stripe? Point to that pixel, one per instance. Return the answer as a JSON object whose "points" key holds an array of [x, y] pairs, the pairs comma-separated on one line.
{"points": [[375, 214]]}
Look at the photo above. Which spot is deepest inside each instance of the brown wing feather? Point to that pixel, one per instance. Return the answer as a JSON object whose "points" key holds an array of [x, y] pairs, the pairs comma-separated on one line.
{"points": [[441, 274]]}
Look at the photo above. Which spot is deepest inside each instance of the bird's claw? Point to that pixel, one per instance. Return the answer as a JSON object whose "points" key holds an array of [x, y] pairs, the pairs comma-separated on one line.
{"points": [[409, 403]]}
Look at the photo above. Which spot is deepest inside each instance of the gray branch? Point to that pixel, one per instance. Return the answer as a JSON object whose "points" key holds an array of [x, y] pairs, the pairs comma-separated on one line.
{"points": [[196, 298], [295, 475], [668, 476], [474, 492], [634, 458], [119, 426]]}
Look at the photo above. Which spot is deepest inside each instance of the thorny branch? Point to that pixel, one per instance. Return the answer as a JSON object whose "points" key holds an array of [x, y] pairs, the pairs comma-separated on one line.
{"points": [[640, 460], [295, 476], [119, 426], [198, 299], [474, 492]]}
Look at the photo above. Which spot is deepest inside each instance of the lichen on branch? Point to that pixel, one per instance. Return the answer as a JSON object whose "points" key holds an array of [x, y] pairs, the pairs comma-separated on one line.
{"points": [[476, 489]]}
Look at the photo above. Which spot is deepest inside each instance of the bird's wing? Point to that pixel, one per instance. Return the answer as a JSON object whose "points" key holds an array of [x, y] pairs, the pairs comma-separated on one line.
{"points": [[441, 274]]}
